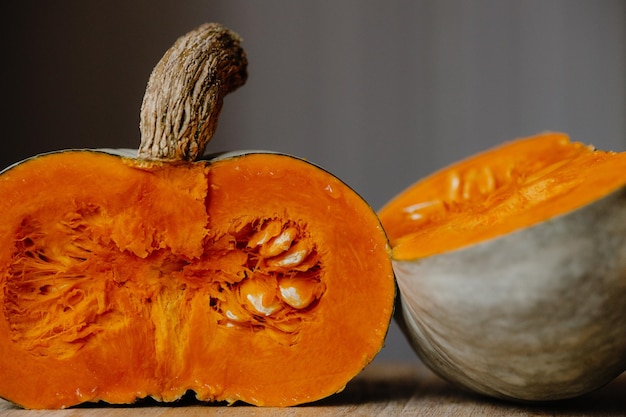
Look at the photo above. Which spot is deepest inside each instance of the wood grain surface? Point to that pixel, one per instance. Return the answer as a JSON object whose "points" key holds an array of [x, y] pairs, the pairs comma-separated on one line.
{"points": [[382, 389]]}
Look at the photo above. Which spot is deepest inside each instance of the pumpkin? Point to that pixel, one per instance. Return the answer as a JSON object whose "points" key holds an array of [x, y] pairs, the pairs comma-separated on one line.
{"points": [[247, 276], [511, 267]]}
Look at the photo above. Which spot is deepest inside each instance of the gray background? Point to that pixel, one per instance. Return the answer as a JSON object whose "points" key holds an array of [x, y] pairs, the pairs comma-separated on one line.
{"points": [[380, 93]]}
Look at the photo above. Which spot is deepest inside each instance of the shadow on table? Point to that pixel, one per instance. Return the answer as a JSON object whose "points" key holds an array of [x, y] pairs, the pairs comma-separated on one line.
{"points": [[419, 386]]}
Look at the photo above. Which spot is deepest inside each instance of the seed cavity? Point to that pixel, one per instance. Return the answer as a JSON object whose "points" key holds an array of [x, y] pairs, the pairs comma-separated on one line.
{"points": [[68, 282], [282, 281], [51, 303]]}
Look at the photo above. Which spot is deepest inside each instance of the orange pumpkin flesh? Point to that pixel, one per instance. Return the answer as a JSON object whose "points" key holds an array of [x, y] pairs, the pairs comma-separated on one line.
{"points": [[501, 190], [259, 278]]}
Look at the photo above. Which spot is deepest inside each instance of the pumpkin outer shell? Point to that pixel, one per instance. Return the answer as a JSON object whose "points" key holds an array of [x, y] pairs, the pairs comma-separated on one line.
{"points": [[535, 315]]}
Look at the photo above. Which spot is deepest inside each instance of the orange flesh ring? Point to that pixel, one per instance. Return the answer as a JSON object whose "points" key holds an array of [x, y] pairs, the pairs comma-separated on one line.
{"points": [[496, 192], [259, 278]]}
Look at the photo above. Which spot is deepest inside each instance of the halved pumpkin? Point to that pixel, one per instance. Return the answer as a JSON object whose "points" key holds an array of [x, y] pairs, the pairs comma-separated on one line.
{"points": [[511, 266], [258, 277], [255, 277]]}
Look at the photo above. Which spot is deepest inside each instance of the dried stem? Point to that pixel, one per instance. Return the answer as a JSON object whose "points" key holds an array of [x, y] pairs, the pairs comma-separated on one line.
{"points": [[185, 92]]}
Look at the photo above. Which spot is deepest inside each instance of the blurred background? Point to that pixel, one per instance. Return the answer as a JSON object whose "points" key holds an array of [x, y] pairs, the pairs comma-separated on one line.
{"points": [[380, 93]]}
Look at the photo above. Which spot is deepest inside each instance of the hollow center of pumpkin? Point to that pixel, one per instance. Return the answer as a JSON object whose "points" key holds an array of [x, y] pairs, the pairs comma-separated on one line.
{"points": [[278, 275], [70, 281]]}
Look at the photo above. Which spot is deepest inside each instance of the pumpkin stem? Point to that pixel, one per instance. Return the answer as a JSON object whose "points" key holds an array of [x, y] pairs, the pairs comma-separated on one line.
{"points": [[184, 95]]}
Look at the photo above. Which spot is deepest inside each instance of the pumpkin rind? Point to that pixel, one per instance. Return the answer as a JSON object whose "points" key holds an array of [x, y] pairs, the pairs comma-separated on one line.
{"points": [[527, 310], [535, 315]]}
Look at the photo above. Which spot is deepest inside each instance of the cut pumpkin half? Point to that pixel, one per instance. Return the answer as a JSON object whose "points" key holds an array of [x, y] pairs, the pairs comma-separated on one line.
{"points": [[257, 277]]}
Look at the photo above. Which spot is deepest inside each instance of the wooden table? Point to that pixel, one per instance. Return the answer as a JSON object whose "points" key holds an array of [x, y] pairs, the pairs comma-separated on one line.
{"points": [[380, 390]]}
